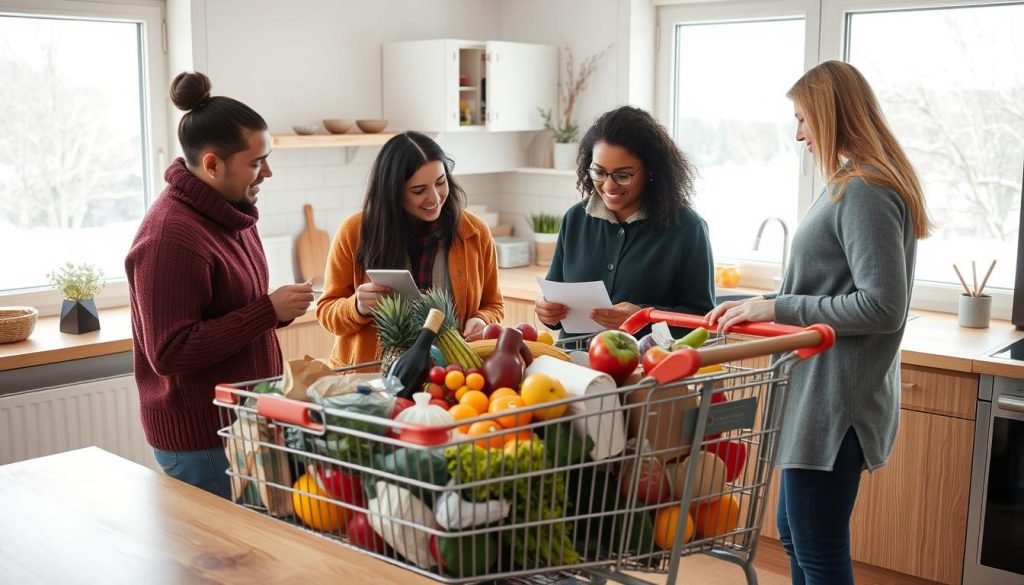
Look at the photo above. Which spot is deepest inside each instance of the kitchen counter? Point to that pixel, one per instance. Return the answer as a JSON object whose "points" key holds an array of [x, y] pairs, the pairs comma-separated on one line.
{"points": [[932, 339], [124, 523]]}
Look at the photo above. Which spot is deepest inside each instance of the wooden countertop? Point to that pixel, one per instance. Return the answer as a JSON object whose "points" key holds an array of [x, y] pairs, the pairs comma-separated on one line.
{"points": [[89, 516], [932, 339]]}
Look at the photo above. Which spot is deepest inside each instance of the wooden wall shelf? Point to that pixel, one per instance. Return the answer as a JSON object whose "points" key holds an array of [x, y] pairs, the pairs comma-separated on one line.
{"points": [[330, 140]]}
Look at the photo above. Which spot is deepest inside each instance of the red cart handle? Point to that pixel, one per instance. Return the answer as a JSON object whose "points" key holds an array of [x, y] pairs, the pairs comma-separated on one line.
{"points": [[288, 411], [804, 341]]}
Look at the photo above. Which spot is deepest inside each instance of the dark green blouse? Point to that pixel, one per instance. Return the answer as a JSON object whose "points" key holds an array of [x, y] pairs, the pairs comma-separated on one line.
{"points": [[667, 268]]}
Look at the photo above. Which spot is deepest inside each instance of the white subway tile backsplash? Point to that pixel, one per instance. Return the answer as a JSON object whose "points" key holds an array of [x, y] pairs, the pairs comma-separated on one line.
{"points": [[325, 156], [284, 158], [349, 174]]}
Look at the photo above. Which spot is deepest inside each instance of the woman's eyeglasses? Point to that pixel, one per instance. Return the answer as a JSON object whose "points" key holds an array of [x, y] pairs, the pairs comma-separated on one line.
{"points": [[619, 177]]}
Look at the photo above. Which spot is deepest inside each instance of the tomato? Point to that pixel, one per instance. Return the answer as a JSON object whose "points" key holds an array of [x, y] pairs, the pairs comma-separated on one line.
{"points": [[435, 390], [362, 534], [436, 375], [342, 486], [652, 487], [653, 357]]}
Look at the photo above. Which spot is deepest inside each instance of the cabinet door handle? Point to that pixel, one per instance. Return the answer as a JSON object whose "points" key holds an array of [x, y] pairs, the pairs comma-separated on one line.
{"points": [[907, 386]]}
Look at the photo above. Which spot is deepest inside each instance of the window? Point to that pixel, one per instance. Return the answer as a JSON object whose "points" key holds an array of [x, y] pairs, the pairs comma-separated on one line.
{"points": [[733, 120], [954, 95], [80, 145], [947, 74]]}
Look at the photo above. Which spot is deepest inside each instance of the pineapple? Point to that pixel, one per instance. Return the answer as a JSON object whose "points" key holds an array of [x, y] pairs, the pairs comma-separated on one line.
{"points": [[397, 329], [449, 338]]}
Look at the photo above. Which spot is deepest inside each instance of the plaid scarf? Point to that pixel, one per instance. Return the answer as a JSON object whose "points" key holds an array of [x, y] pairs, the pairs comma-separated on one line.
{"points": [[422, 245]]}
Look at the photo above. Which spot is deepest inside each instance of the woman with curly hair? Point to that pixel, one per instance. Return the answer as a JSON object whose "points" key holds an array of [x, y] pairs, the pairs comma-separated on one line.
{"points": [[635, 228]]}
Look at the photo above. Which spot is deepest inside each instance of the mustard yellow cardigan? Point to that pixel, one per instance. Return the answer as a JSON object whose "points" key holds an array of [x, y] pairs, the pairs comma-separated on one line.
{"points": [[472, 270]]}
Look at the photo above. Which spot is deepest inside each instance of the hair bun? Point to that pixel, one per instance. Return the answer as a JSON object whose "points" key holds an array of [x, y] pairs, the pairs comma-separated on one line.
{"points": [[189, 90]]}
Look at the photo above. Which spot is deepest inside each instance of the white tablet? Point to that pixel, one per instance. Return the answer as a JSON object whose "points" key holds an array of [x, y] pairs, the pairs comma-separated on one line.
{"points": [[400, 281]]}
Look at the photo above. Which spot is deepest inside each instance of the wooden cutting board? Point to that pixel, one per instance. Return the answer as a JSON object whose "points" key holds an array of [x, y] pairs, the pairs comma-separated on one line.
{"points": [[312, 247]]}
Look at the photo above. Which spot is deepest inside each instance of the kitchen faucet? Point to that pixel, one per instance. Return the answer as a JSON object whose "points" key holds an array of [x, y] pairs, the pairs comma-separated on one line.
{"points": [[785, 241]]}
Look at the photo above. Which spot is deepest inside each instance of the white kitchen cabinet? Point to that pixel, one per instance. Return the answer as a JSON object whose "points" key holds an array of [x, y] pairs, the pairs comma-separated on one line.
{"points": [[503, 85]]}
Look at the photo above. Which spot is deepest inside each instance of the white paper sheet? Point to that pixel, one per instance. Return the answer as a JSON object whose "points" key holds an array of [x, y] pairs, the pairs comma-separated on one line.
{"points": [[581, 298], [400, 281]]}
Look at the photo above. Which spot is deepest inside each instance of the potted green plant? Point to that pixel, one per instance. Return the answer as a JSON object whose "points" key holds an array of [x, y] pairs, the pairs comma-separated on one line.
{"points": [[564, 129], [79, 283], [545, 235]]}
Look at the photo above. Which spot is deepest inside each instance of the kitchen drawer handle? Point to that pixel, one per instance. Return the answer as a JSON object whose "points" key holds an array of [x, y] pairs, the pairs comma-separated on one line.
{"points": [[1011, 403], [907, 386]]}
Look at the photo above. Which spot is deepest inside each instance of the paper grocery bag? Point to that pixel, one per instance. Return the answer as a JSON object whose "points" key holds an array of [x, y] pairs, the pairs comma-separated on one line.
{"points": [[664, 410], [607, 429], [250, 459], [299, 374]]}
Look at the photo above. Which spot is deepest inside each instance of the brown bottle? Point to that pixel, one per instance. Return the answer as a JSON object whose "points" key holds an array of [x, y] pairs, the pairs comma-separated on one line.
{"points": [[504, 367]]}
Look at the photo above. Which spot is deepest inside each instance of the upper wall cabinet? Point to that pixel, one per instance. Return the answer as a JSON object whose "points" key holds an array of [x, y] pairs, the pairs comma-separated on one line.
{"points": [[451, 86]]}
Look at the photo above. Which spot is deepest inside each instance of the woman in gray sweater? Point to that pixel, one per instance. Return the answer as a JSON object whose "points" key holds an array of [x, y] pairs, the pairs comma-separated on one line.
{"points": [[853, 269]]}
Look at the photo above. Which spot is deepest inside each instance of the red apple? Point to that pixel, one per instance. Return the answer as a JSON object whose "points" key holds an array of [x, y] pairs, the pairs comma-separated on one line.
{"points": [[452, 368], [615, 353], [492, 331], [653, 357], [529, 331], [436, 375], [362, 534], [733, 453]]}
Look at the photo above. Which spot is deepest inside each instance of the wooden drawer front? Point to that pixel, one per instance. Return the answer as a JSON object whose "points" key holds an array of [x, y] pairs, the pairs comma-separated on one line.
{"points": [[939, 391]]}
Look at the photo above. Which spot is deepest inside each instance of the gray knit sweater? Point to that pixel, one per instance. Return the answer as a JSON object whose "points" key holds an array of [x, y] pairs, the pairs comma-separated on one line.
{"points": [[852, 268]]}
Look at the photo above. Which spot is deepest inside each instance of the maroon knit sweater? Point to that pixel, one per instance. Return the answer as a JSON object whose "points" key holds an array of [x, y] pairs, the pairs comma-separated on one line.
{"points": [[200, 310]]}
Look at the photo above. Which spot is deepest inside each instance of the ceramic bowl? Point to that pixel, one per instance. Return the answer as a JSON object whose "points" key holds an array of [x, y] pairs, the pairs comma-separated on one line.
{"points": [[305, 129], [371, 126], [337, 125]]}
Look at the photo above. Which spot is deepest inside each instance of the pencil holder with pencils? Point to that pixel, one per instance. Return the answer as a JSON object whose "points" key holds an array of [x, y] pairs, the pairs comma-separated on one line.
{"points": [[975, 308]]}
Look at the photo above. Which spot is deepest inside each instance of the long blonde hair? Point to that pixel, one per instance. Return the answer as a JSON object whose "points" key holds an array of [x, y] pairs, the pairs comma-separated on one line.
{"points": [[846, 122]]}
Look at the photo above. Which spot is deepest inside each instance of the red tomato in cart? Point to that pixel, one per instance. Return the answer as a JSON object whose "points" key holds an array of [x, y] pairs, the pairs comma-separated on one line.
{"points": [[653, 357], [400, 405], [733, 453], [361, 534]]}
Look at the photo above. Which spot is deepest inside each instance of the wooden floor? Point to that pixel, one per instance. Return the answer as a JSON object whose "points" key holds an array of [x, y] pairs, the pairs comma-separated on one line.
{"points": [[772, 566]]}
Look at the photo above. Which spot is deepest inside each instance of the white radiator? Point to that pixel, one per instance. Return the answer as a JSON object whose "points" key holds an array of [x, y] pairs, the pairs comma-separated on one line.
{"points": [[104, 413]]}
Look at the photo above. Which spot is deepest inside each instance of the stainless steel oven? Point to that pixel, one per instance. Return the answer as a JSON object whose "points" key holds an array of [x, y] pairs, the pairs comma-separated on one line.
{"points": [[995, 520]]}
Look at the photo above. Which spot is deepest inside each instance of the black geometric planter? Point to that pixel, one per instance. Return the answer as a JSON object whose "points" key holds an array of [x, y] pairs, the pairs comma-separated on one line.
{"points": [[79, 317]]}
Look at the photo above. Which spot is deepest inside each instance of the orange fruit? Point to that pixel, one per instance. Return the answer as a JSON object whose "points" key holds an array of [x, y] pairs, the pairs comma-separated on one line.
{"points": [[717, 517], [475, 381], [477, 399], [666, 524], [507, 407], [540, 388], [454, 379], [545, 337], [485, 427], [461, 392], [727, 276], [315, 513], [462, 412], [500, 392]]}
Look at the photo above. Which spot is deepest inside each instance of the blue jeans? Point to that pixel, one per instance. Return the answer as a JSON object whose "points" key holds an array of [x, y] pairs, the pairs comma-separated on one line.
{"points": [[814, 517], [206, 469]]}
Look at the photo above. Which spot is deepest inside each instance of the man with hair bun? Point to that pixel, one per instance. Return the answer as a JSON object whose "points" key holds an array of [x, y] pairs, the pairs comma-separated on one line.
{"points": [[198, 283]]}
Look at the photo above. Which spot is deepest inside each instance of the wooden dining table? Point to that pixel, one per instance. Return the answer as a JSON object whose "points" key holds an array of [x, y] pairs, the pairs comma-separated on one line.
{"points": [[88, 516]]}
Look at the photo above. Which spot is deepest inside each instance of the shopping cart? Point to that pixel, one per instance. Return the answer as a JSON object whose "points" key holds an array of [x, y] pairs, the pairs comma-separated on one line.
{"points": [[556, 500]]}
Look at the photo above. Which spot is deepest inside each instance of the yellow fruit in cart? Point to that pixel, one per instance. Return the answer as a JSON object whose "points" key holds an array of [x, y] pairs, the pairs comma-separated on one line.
{"points": [[475, 381], [513, 441], [317, 514], [454, 380], [540, 388], [545, 337], [717, 517], [510, 409], [461, 392], [666, 524], [476, 399], [462, 412]]}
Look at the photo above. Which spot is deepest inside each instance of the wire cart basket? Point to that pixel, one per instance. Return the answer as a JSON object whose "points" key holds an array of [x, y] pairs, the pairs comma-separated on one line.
{"points": [[608, 484]]}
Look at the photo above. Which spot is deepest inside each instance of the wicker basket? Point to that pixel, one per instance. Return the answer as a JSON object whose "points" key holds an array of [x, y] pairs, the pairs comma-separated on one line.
{"points": [[17, 323]]}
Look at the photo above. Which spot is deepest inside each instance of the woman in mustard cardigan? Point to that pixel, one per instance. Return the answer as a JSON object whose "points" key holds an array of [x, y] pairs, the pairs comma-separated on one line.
{"points": [[412, 218]]}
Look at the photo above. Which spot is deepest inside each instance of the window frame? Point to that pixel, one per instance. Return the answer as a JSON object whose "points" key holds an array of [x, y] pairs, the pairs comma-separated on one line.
{"points": [[827, 25], [153, 75]]}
